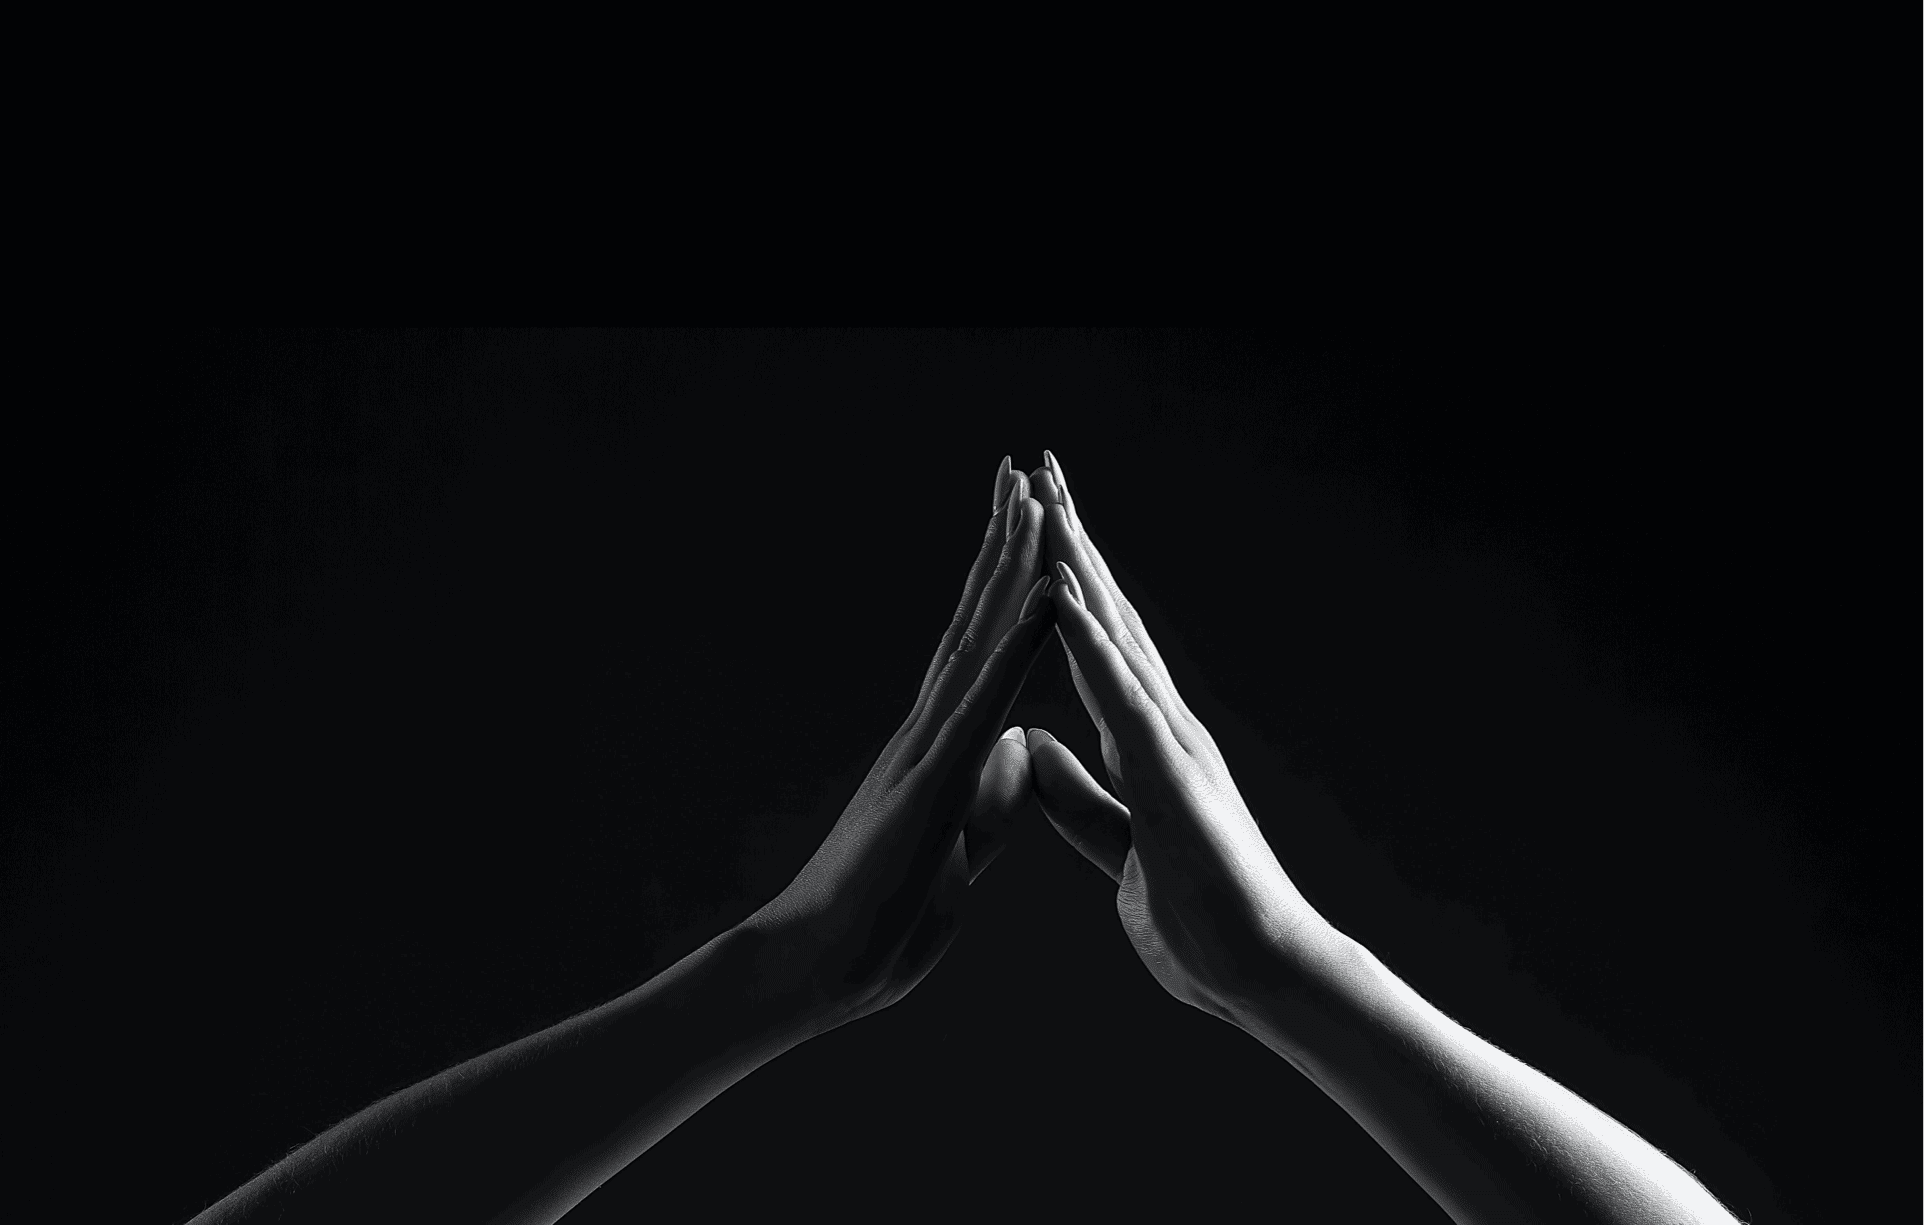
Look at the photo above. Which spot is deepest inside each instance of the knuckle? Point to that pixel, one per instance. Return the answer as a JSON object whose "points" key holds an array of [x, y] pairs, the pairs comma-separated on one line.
{"points": [[1137, 699]]}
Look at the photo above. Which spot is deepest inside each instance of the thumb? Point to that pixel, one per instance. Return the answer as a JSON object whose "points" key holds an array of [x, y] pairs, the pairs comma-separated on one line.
{"points": [[1088, 818], [1000, 795]]}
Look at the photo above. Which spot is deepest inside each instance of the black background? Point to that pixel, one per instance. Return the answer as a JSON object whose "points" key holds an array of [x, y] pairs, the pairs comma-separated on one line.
{"points": [[383, 696]]}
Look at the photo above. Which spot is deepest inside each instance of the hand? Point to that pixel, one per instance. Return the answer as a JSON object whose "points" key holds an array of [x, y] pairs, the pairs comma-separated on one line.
{"points": [[1220, 925], [528, 1130], [879, 903], [1203, 899]]}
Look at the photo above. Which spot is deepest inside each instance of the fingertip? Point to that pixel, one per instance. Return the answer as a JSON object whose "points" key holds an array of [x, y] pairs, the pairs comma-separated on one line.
{"points": [[1069, 580], [1037, 737], [1031, 515], [1015, 734], [1038, 590]]}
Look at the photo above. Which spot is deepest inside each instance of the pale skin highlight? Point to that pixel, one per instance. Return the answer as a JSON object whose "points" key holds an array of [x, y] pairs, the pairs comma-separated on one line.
{"points": [[523, 1133], [1218, 923]]}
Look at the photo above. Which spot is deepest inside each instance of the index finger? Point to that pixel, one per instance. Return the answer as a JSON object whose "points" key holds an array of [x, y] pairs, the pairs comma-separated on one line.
{"points": [[1059, 480], [1011, 488], [1105, 601]]}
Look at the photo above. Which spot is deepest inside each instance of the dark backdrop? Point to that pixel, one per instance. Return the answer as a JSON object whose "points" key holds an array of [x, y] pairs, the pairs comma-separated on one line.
{"points": [[382, 697]]}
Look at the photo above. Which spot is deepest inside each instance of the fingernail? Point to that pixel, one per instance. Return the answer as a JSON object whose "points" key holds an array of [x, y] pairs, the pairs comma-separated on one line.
{"points": [[1021, 512], [1012, 514], [1039, 735], [1062, 478], [1069, 581], [1057, 490], [1034, 598], [1001, 485], [1015, 734]]}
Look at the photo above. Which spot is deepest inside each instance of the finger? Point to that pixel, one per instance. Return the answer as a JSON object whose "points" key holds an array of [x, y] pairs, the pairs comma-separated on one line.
{"points": [[1000, 796], [962, 744], [993, 537], [1088, 818], [1131, 619], [1111, 607], [1007, 482], [1004, 598], [1059, 548], [1088, 697], [1189, 729], [1120, 703], [1016, 569], [1069, 542]]}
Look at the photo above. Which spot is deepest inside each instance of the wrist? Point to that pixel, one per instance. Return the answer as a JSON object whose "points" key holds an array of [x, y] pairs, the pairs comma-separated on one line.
{"points": [[1339, 1014], [782, 959], [1308, 975]]}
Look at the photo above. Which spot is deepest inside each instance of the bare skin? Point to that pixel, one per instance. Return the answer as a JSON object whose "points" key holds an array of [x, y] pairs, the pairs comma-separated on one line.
{"points": [[524, 1133], [1220, 925]]}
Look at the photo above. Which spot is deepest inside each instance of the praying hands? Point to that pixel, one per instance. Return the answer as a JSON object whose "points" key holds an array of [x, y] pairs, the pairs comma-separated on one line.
{"points": [[525, 1132]]}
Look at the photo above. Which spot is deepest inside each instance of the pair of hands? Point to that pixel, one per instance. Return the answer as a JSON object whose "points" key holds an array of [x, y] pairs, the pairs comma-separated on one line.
{"points": [[1202, 898], [525, 1132]]}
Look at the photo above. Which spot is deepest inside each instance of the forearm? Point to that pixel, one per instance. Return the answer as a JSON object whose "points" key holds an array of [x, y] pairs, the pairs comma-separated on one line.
{"points": [[1489, 1137], [524, 1132]]}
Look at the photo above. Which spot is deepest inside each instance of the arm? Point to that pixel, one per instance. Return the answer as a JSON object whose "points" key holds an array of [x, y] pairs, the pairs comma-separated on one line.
{"points": [[1488, 1136], [525, 1132], [1222, 927]]}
